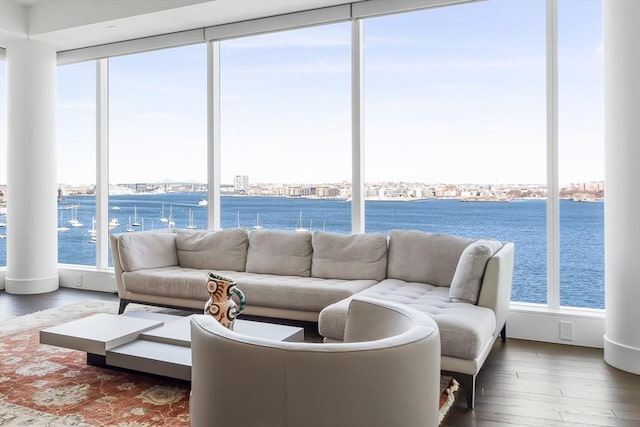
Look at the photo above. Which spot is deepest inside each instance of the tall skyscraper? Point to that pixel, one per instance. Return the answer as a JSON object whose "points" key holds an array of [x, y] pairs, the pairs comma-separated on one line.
{"points": [[241, 184]]}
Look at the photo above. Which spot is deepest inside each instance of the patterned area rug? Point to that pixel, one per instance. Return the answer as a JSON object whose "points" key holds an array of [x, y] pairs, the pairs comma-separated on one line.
{"points": [[41, 385], [448, 387]]}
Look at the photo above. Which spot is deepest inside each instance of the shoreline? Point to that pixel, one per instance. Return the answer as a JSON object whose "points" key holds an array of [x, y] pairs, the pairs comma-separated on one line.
{"points": [[368, 199]]}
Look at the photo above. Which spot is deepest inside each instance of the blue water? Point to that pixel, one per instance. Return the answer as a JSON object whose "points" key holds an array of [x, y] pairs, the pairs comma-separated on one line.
{"points": [[522, 222]]}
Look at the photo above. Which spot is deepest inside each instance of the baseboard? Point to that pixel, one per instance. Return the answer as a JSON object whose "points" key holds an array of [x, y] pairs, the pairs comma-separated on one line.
{"points": [[542, 324], [622, 356], [78, 277]]}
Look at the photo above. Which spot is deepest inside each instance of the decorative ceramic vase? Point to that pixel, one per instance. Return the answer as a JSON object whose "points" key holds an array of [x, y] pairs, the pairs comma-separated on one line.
{"points": [[220, 305]]}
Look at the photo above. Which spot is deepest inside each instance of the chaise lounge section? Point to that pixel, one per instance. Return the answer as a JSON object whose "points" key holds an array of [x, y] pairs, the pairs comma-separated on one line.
{"points": [[463, 284]]}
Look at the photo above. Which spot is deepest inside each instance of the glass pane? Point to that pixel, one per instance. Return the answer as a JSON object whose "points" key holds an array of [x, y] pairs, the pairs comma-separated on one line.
{"points": [[455, 127], [286, 129], [581, 153], [3, 163], [76, 127], [158, 140]]}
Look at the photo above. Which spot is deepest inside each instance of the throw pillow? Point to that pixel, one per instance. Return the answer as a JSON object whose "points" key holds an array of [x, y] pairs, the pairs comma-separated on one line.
{"points": [[147, 249], [349, 256], [213, 250], [284, 253], [467, 279], [417, 256]]}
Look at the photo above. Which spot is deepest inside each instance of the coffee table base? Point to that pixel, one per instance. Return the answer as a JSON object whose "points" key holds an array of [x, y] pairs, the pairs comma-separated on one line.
{"points": [[96, 360], [153, 343]]}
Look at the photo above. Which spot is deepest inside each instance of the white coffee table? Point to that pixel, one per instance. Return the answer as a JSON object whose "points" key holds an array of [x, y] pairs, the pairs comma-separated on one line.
{"points": [[153, 343]]}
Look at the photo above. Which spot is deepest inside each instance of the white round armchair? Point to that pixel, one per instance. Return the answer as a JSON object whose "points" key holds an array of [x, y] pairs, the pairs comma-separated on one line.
{"points": [[386, 373]]}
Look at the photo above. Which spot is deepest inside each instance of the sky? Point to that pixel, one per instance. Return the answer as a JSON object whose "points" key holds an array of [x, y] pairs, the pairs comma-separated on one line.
{"points": [[451, 95]]}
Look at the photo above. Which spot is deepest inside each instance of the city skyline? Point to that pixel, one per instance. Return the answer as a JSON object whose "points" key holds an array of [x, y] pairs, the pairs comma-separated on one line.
{"points": [[583, 191]]}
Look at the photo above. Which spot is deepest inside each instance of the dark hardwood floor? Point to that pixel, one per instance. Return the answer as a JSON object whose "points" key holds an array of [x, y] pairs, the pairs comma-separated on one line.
{"points": [[12, 305], [522, 383], [527, 383]]}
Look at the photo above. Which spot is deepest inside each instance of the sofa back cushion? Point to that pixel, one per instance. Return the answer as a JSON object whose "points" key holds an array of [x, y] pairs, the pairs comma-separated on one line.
{"points": [[147, 250], [213, 250], [285, 253], [416, 256], [467, 280], [349, 256]]}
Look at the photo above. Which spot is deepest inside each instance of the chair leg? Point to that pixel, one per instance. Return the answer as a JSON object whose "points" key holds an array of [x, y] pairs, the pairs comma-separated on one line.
{"points": [[503, 333], [123, 305]]}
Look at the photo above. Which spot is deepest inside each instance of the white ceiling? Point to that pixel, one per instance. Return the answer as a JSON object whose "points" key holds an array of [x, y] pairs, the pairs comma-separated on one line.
{"points": [[71, 24]]}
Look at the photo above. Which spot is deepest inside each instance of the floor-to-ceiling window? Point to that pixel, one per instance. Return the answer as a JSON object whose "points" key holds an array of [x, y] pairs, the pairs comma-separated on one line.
{"points": [[455, 133], [581, 153], [456, 127], [157, 140], [3, 163], [76, 135], [285, 129]]}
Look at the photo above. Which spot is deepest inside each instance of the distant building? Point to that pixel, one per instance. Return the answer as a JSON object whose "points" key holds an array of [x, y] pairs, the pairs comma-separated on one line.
{"points": [[241, 184]]}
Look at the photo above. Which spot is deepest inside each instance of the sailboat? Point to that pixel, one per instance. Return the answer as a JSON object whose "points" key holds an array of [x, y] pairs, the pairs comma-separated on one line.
{"points": [[135, 222], [300, 227], [170, 221], [74, 217], [129, 227], [238, 219], [92, 230], [62, 227], [162, 217], [258, 226], [190, 225]]}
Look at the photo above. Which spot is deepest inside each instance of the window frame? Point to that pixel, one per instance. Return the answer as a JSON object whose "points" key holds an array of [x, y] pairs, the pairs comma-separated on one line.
{"points": [[358, 189]]}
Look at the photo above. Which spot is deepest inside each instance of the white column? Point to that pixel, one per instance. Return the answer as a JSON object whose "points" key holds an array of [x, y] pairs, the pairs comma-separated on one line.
{"points": [[32, 239], [622, 175]]}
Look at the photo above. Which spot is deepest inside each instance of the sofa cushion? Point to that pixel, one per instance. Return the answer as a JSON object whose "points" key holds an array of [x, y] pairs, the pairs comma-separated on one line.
{"points": [[465, 329], [416, 256], [284, 253], [295, 292], [147, 250], [173, 282], [467, 280], [213, 250], [349, 256]]}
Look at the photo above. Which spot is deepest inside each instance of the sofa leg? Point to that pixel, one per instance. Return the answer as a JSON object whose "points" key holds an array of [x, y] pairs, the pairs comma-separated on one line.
{"points": [[123, 305], [503, 333], [468, 384]]}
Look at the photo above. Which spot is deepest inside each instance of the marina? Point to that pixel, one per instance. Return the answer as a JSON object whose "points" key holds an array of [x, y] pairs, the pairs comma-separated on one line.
{"points": [[520, 221]]}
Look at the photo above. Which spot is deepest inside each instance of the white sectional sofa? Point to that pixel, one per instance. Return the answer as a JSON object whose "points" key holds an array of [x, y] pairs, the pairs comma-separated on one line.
{"points": [[463, 284]]}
